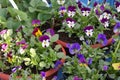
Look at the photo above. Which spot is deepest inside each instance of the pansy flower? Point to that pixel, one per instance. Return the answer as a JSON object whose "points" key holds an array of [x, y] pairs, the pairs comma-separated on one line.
{"points": [[85, 11], [82, 60], [117, 5], [16, 68], [79, 4], [50, 31], [95, 4], [107, 14], [3, 32], [90, 61], [88, 30], [43, 74], [62, 11], [4, 46], [9, 56], [74, 48], [77, 78], [116, 66], [58, 62], [37, 32], [35, 22], [105, 67], [45, 40], [70, 22], [105, 22], [117, 28], [71, 11], [102, 39], [60, 2]]}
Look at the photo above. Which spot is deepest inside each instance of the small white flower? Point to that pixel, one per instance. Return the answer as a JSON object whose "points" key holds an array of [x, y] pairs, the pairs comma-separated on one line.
{"points": [[71, 13], [21, 50], [106, 24], [89, 32], [45, 43], [106, 15], [71, 24], [85, 13], [82, 38], [118, 9], [61, 2]]}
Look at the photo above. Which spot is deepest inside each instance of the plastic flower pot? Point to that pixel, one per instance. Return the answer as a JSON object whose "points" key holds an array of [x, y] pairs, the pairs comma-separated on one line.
{"points": [[99, 45], [49, 74]]}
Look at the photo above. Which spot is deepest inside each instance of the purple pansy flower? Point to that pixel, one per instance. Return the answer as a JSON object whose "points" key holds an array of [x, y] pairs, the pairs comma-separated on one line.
{"points": [[70, 22], [85, 11], [79, 4], [71, 11], [43, 74], [21, 42], [62, 11], [107, 14], [77, 78], [97, 12], [88, 30], [95, 4], [74, 48], [105, 22], [117, 5], [117, 28], [35, 22], [45, 40], [50, 31], [4, 46], [90, 61], [102, 7], [81, 59], [16, 68], [105, 67], [58, 62], [102, 38]]}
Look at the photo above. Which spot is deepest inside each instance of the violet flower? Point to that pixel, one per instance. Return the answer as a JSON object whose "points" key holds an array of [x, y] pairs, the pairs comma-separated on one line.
{"points": [[117, 28], [70, 22], [3, 32], [88, 30], [102, 38], [21, 42], [85, 11], [105, 67], [74, 48], [35, 22], [50, 31], [77, 78], [62, 11], [71, 11], [117, 5], [95, 4], [16, 68], [105, 22], [43, 74], [79, 4], [90, 61], [4, 46], [102, 8], [82, 59], [107, 14], [58, 62], [45, 40], [37, 32]]}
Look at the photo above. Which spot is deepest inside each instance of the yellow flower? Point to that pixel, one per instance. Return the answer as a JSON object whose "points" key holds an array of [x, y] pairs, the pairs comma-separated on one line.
{"points": [[116, 66], [83, 64], [37, 32]]}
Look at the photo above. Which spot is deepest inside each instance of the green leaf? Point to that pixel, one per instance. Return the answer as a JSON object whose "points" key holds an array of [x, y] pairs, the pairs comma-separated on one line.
{"points": [[3, 12], [31, 9], [54, 38], [57, 47], [15, 12], [60, 55]]}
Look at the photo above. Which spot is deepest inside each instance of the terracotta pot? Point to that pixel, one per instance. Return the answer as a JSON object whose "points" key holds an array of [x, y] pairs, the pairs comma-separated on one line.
{"points": [[49, 74], [99, 45]]}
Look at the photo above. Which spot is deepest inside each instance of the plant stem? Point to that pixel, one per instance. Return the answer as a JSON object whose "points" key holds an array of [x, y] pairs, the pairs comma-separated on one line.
{"points": [[114, 54]]}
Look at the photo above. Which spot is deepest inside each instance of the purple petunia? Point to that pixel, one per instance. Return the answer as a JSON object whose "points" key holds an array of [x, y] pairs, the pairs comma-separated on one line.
{"points": [[35, 22], [88, 30], [74, 48], [71, 11], [117, 5], [70, 22], [85, 11], [62, 11], [102, 38], [50, 31], [77, 78], [45, 40], [117, 28]]}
